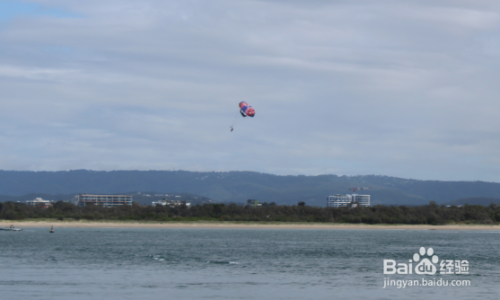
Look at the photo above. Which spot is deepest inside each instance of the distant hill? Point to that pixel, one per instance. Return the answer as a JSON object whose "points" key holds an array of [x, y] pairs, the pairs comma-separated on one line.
{"points": [[475, 201], [240, 186]]}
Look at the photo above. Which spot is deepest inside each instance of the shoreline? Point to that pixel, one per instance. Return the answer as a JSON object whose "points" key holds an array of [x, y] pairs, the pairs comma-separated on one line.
{"points": [[237, 225]]}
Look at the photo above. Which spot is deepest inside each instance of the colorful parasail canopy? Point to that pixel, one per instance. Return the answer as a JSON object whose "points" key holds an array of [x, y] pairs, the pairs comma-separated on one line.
{"points": [[246, 110]]}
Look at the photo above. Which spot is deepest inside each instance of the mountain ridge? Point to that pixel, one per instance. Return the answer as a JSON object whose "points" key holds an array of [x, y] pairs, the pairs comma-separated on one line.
{"points": [[238, 186]]}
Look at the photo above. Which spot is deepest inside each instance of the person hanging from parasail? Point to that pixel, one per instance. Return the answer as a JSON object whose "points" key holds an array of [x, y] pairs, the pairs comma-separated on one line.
{"points": [[246, 111]]}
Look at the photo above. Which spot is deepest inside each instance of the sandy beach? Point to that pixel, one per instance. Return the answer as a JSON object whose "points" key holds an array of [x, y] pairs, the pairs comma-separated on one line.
{"points": [[236, 225]]}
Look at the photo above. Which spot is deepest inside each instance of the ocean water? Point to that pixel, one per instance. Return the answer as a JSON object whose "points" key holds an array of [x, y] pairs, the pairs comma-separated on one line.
{"points": [[114, 263]]}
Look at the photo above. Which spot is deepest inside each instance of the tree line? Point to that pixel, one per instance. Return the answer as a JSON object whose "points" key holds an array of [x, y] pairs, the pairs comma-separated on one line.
{"points": [[379, 214]]}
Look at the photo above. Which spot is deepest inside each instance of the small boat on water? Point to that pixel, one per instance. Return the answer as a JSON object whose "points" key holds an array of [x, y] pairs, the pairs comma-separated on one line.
{"points": [[11, 228]]}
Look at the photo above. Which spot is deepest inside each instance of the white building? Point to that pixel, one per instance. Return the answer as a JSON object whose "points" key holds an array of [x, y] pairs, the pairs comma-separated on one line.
{"points": [[39, 202], [170, 203], [338, 200], [104, 200], [347, 200]]}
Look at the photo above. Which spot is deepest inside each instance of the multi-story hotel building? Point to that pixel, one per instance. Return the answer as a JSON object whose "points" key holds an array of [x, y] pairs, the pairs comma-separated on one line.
{"points": [[104, 200], [347, 200], [338, 200], [362, 200]]}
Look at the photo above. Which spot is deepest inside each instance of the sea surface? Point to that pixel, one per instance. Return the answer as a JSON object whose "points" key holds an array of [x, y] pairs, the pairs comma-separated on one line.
{"points": [[77, 263]]}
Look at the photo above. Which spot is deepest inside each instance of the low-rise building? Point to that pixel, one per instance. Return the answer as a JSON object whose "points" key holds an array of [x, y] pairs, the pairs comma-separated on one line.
{"points": [[170, 203], [40, 202], [104, 200]]}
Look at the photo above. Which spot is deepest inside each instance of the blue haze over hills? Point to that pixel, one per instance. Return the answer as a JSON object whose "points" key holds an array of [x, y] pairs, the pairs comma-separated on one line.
{"points": [[238, 186]]}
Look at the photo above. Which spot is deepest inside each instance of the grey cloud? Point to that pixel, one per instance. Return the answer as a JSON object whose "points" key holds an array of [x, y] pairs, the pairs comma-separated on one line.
{"points": [[346, 87]]}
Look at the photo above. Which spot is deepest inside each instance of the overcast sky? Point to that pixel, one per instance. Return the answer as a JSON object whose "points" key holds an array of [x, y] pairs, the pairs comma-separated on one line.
{"points": [[400, 88]]}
